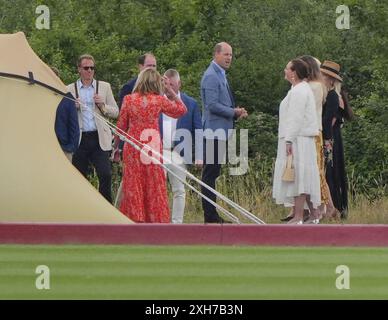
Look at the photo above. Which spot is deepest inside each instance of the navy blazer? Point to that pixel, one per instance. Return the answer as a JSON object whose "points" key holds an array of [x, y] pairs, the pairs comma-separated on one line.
{"points": [[126, 89], [66, 124], [191, 121], [218, 102]]}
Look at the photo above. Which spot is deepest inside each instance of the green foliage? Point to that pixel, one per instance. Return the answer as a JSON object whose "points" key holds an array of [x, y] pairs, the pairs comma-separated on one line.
{"points": [[265, 35]]}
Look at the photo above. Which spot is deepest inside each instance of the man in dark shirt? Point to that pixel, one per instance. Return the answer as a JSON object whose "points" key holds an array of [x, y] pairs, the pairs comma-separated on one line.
{"points": [[146, 60], [66, 123]]}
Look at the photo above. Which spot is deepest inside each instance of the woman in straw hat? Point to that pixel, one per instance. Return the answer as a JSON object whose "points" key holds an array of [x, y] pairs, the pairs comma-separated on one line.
{"points": [[144, 190], [332, 119], [298, 126]]}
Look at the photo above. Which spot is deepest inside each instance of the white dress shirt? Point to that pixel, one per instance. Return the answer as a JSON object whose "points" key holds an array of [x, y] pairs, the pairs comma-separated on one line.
{"points": [[86, 94], [169, 129]]}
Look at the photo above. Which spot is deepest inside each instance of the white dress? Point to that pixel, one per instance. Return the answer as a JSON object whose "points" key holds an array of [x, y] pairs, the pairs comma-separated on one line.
{"points": [[297, 123]]}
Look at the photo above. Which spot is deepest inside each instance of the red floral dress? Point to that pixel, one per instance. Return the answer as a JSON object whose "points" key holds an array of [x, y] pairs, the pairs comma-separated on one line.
{"points": [[144, 197]]}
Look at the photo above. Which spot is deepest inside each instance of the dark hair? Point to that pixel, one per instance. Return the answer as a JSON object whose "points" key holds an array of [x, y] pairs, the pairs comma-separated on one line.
{"points": [[348, 113], [314, 71], [300, 67], [141, 59]]}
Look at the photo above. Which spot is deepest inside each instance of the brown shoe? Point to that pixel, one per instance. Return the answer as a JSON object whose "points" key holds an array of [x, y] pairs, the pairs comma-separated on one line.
{"points": [[333, 214], [286, 219]]}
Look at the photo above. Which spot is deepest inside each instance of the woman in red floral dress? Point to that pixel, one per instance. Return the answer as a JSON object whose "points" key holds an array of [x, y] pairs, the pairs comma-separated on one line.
{"points": [[144, 191]]}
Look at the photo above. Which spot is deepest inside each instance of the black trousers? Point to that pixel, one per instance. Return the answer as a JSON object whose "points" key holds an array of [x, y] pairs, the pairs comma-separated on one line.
{"points": [[90, 152], [214, 156]]}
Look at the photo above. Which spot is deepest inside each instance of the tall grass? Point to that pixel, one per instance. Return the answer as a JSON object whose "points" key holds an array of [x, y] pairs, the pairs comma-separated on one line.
{"points": [[368, 200], [253, 191]]}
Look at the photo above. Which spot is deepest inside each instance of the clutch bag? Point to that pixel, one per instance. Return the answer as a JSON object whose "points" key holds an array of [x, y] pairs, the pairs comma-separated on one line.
{"points": [[289, 171]]}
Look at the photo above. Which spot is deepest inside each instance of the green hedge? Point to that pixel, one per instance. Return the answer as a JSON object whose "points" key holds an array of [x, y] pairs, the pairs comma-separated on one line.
{"points": [[265, 35]]}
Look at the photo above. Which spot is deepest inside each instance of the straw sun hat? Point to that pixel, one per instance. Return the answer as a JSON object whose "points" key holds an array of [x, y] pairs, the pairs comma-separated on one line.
{"points": [[331, 69]]}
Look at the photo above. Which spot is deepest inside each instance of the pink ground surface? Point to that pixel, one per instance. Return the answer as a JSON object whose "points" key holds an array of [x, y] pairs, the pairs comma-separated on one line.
{"points": [[196, 234]]}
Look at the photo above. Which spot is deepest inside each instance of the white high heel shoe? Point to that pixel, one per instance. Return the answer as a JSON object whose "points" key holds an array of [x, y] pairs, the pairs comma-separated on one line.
{"points": [[312, 221], [295, 222]]}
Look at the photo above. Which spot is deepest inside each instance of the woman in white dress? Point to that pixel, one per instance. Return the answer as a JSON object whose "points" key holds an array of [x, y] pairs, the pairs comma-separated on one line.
{"points": [[298, 127]]}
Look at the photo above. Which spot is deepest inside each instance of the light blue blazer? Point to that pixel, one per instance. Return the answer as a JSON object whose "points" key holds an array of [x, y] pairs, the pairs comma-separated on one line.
{"points": [[218, 102]]}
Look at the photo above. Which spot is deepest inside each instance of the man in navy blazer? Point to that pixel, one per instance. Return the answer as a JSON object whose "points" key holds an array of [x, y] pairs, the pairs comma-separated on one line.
{"points": [[219, 114], [146, 60], [66, 123], [179, 136]]}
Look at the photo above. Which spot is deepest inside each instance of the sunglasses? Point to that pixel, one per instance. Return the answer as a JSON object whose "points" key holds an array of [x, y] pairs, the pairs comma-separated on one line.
{"points": [[87, 68]]}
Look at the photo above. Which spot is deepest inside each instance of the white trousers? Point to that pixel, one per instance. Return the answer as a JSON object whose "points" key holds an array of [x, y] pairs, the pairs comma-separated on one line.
{"points": [[177, 187]]}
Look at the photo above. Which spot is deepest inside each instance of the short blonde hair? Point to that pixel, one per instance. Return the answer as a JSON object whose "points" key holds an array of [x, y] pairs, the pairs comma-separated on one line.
{"points": [[172, 73], [149, 81], [83, 57]]}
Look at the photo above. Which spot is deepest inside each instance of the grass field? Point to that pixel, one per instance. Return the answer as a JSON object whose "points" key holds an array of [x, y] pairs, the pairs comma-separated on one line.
{"points": [[192, 272]]}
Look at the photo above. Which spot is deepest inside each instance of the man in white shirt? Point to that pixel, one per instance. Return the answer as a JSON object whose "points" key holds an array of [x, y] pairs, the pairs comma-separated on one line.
{"points": [[179, 135]]}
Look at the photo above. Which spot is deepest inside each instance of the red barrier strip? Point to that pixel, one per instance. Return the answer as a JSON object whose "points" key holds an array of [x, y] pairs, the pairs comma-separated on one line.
{"points": [[196, 234]]}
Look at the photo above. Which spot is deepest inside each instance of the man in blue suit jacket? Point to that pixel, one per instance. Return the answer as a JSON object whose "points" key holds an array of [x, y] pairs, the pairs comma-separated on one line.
{"points": [[146, 60], [179, 136], [66, 125], [219, 114]]}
